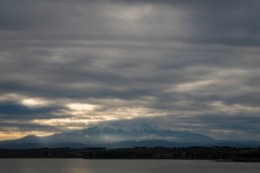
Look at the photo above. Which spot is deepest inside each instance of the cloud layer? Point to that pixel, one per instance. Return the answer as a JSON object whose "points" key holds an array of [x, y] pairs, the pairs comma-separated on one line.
{"points": [[183, 65]]}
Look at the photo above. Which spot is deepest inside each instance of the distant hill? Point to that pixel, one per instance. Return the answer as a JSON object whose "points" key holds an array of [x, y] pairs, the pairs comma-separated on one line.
{"points": [[120, 135]]}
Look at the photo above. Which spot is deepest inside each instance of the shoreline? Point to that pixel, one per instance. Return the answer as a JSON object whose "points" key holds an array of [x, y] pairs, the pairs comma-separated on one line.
{"points": [[219, 154]]}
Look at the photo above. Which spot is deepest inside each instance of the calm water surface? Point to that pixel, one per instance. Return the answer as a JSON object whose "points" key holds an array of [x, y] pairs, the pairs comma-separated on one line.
{"points": [[123, 166]]}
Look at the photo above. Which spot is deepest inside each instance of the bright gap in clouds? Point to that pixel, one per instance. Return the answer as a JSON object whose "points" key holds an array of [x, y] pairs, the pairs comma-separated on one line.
{"points": [[132, 13], [30, 102], [82, 106]]}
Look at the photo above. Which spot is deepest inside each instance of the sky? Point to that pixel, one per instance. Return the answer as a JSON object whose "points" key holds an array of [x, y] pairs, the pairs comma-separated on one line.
{"points": [[187, 65]]}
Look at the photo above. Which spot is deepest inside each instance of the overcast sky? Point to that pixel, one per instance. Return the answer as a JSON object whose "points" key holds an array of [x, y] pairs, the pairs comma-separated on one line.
{"points": [[191, 65]]}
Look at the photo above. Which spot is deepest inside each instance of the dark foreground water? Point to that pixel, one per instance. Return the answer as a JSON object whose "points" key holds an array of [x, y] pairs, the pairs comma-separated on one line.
{"points": [[123, 166]]}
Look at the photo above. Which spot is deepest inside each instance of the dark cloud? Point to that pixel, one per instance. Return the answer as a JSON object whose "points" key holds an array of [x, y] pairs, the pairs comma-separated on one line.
{"points": [[25, 127], [15, 111]]}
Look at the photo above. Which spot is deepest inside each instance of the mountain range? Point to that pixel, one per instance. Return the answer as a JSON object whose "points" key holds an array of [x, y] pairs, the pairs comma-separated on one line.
{"points": [[120, 135]]}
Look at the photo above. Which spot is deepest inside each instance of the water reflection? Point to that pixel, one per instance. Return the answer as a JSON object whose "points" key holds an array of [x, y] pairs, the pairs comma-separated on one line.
{"points": [[122, 166]]}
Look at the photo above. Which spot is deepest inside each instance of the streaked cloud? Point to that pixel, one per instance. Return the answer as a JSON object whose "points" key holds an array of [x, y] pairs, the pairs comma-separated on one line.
{"points": [[65, 65]]}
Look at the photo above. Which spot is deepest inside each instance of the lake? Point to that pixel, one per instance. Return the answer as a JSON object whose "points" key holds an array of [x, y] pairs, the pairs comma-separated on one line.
{"points": [[123, 166]]}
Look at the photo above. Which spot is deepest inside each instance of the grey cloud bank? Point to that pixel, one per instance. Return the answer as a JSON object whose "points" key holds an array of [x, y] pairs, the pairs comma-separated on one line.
{"points": [[184, 65]]}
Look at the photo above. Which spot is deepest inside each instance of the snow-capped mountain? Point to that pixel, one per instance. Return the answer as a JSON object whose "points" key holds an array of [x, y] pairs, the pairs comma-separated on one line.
{"points": [[118, 134], [124, 131]]}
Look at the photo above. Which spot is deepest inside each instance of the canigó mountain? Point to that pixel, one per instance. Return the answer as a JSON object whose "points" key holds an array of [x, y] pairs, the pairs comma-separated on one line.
{"points": [[115, 134]]}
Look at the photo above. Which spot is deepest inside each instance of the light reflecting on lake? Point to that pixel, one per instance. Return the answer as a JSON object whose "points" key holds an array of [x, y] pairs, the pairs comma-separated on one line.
{"points": [[123, 166]]}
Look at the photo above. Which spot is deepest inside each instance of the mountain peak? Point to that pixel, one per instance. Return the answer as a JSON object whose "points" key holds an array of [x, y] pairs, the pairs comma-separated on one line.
{"points": [[30, 138]]}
